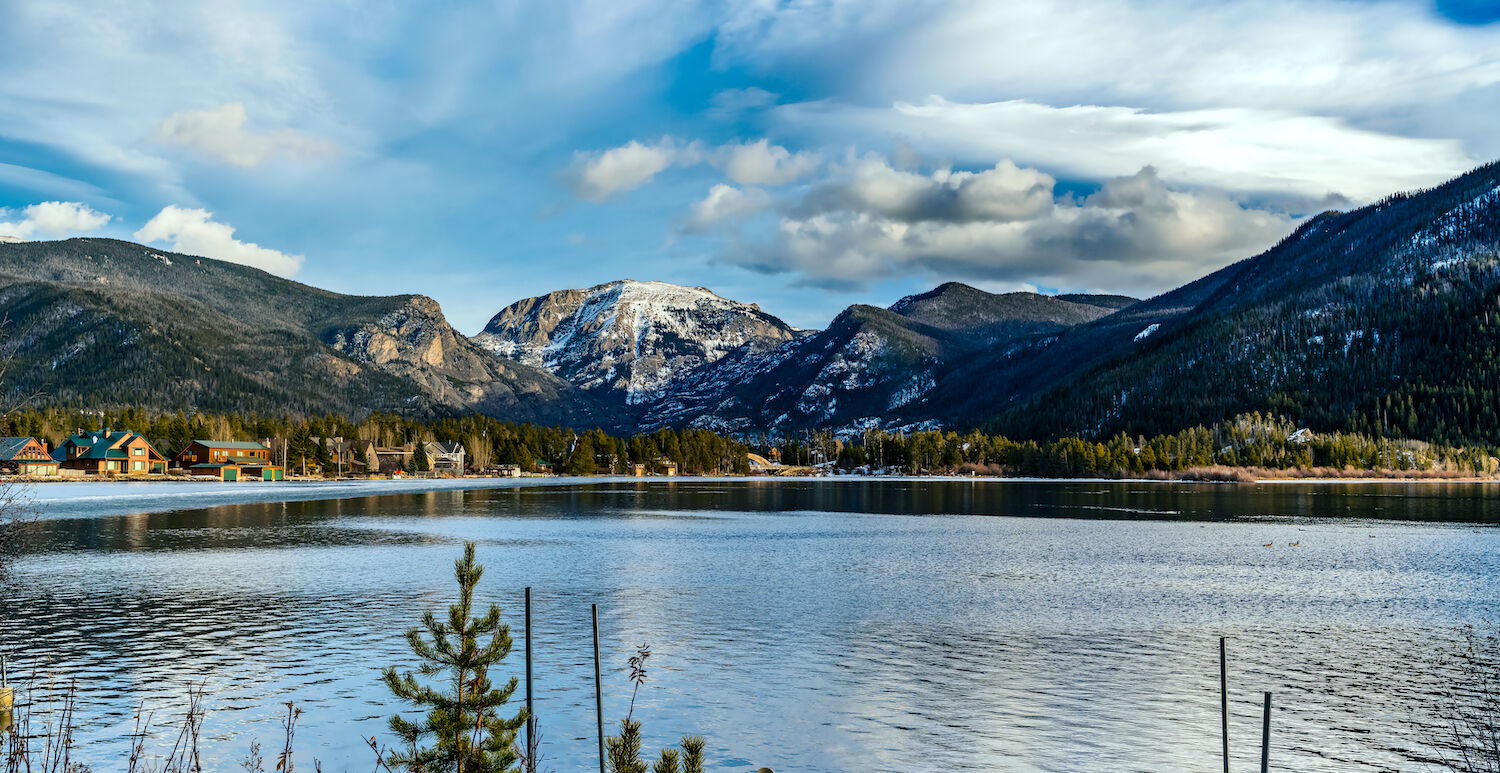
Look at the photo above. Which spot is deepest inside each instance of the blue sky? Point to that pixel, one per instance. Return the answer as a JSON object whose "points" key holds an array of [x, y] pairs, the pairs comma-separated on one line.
{"points": [[803, 155]]}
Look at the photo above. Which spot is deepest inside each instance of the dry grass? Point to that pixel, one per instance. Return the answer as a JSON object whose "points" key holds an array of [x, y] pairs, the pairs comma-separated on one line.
{"points": [[40, 737]]}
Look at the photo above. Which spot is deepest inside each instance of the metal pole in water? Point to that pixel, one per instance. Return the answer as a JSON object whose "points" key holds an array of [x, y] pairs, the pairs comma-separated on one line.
{"points": [[1224, 698], [1265, 737], [598, 690], [530, 709]]}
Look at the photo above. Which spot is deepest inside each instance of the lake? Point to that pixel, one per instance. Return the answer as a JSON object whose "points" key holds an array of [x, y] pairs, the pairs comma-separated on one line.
{"points": [[805, 625]]}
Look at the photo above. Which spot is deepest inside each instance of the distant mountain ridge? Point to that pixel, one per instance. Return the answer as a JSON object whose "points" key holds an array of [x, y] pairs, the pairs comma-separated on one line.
{"points": [[871, 367], [1383, 320]]}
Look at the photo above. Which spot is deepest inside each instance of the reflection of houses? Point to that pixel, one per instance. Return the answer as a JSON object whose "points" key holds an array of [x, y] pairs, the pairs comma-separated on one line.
{"points": [[26, 456], [228, 460], [445, 457], [105, 451]]}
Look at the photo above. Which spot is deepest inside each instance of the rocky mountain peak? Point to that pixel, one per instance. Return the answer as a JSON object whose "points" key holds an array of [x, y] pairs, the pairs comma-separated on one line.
{"points": [[628, 337]]}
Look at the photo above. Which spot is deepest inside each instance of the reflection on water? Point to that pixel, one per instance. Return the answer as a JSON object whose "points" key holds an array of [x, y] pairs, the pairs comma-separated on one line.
{"points": [[804, 625]]}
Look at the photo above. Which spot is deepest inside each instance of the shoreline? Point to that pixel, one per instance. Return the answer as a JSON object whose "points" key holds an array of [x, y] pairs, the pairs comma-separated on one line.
{"points": [[71, 498], [508, 482]]}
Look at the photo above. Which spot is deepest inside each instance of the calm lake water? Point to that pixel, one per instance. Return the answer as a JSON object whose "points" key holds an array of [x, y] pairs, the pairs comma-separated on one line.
{"points": [[828, 625]]}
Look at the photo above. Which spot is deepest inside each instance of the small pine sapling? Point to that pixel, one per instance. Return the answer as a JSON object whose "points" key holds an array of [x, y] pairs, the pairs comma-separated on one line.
{"points": [[462, 730]]}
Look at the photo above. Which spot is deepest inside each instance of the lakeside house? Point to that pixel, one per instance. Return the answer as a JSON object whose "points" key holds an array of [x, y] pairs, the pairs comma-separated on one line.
{"points": [[389, 459], [110, 452], [445, 457], [666, 467], [344, 454], [508, 471], [26, 456], [760, 463], [229, 460]]}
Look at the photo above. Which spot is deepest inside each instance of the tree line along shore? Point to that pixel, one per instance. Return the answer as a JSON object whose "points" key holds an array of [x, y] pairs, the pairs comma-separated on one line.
{"points": [[1251, 446]]}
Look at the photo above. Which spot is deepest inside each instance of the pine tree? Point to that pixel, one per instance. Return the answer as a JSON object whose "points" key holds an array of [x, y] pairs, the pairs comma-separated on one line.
{"points": [[463, 730], [419, 458], [582, 461]]}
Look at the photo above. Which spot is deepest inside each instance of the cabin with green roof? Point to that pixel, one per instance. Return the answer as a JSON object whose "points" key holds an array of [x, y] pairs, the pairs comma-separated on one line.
{"points": [[110, 452], [230, 460]]}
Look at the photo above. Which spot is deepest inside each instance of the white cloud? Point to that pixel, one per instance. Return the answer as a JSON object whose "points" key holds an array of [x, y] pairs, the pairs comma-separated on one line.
{"points": [[54, 218], [220, 134], [1234, 149], [600, 176], [193, 232], [726, 203], [1006, 225], [761, 163], [1312, 56], [871, 184]]}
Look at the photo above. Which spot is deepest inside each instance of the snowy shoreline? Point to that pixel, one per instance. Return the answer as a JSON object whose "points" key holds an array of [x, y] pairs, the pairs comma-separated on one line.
{"points": [[67, 499]]}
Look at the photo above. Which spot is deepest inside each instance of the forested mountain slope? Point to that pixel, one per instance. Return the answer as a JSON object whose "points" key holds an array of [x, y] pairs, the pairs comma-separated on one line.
{"points": [[100, 322], [1384, 320]]}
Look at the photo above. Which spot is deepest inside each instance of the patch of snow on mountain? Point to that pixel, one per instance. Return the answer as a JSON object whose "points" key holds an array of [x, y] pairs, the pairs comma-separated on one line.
{"points": [[914, 388], [1454, 226], [1144, 334]]}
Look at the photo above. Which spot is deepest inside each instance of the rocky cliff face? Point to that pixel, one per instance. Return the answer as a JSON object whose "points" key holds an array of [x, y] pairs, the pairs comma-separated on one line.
{"points": [[626, 339], [414, 341]]}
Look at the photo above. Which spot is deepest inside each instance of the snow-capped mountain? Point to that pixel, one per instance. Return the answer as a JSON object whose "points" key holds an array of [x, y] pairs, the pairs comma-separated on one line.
{"points": [[628, 338]]}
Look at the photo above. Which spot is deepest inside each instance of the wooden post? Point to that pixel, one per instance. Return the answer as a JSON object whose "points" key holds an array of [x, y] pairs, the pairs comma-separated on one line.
{"points": [[530, 707], [1224, 698], [1265, 738], [598, 690]]}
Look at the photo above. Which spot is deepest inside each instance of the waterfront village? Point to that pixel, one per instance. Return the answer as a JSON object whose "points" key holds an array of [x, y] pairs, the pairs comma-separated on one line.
{"points": [[113, 453]]}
